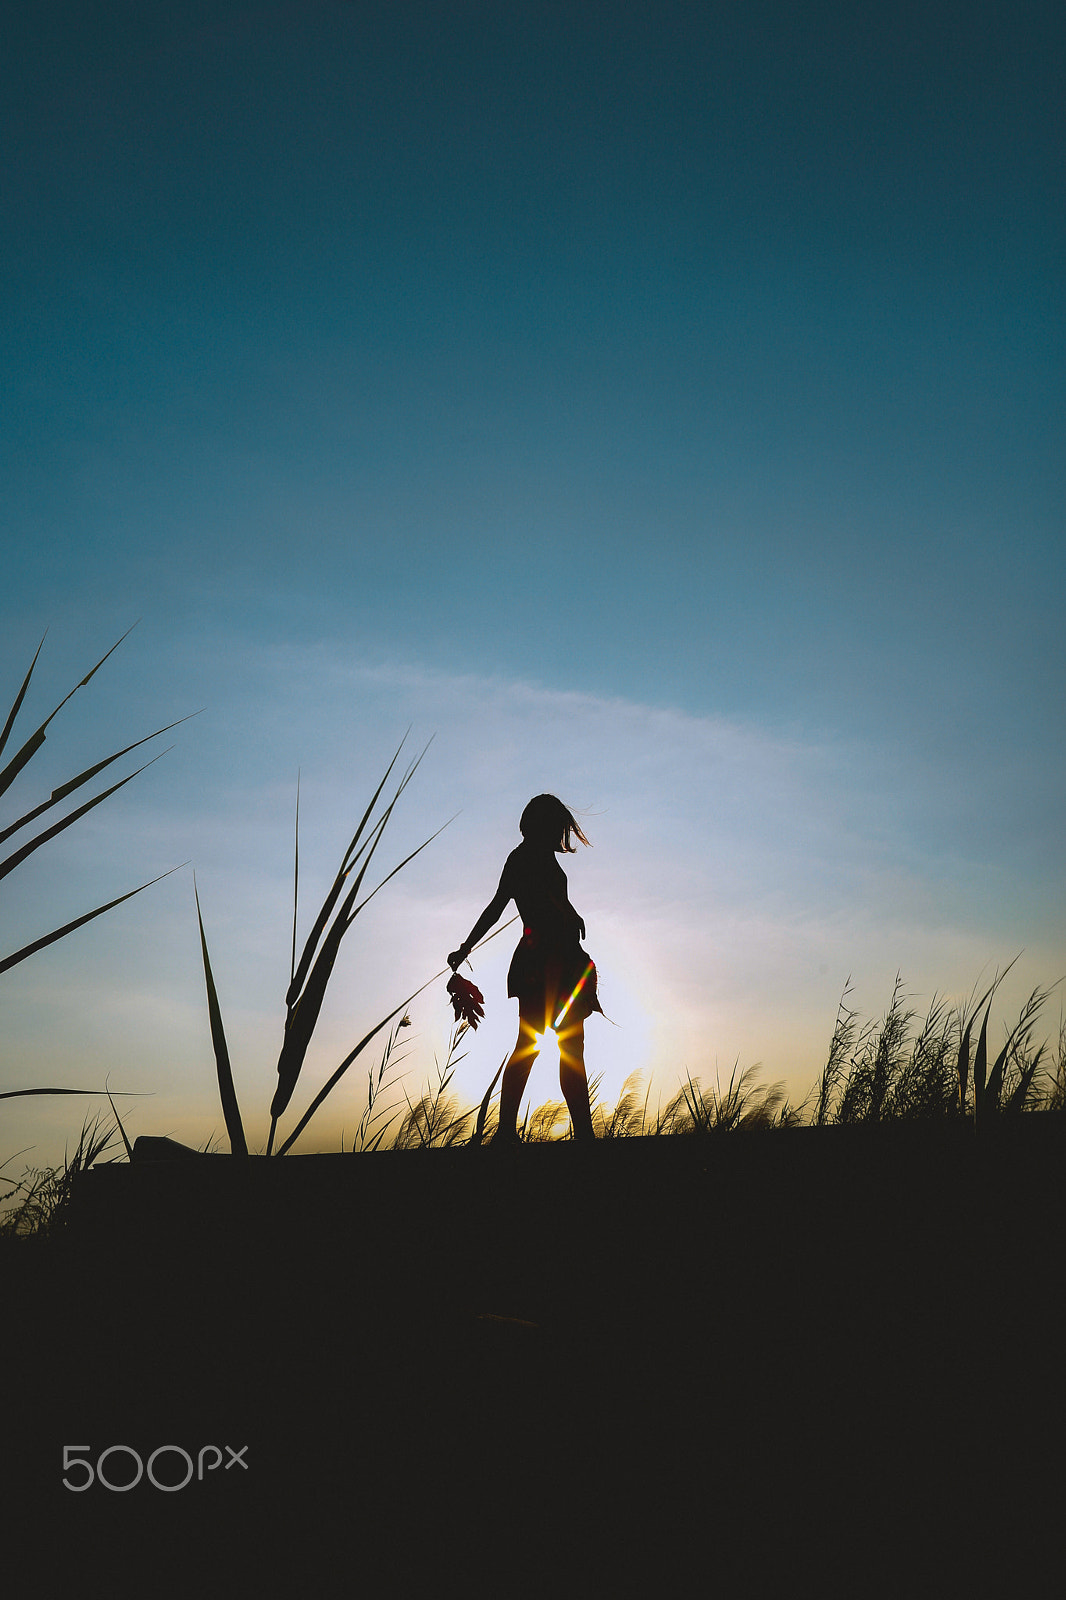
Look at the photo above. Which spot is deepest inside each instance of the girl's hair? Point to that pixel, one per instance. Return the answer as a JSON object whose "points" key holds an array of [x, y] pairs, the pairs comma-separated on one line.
{"points": [[547, 821]]}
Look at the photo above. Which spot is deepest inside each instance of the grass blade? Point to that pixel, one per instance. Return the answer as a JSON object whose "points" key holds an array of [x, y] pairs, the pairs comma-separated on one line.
{"points": [[980, 1067], [962, 1065], [121, 1129], [230, 1109], [35, 741], [1018, 1095], [15, 709], [399, 868], [57, 827], [13, 1094], [333, 896], [345, 1064], [482, 1116], [303, 1019], [994, 1085], [304, 1013], [79, 922], [84, 777], [295, 885]]}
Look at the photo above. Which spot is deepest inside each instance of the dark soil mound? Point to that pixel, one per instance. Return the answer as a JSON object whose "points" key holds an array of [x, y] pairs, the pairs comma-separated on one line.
{"points": [[830, 1352]]}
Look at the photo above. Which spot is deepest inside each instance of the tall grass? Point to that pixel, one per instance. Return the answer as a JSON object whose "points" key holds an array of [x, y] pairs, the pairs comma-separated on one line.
{"points": [[903, 1068], [42, 1194], [369, 1136], [58, 797], [436, 1119], [895, 1072], [1056, 1076], [38, 1202], [311, 975], [628, 1117]]}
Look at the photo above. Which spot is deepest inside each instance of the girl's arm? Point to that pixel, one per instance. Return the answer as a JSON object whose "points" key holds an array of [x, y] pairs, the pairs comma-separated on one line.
{"points": [[488, 919]]}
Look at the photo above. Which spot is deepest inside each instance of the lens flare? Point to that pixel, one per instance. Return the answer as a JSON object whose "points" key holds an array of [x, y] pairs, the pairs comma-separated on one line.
{"points": [[575, 991]]}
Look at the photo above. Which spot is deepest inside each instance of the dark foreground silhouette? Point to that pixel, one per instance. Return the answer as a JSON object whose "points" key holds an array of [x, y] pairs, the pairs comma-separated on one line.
{"points": [[551, 976], [816, 1360]]}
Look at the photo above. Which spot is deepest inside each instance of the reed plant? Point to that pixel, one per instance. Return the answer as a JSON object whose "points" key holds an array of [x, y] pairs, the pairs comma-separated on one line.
{"points": [[540, 1122], [627, 1116], [1055, 1095], [889, 1072], [925, 1079], [37, 1204], [904, 1068], [743, 1104], [630, 1118], [42, 1194], [848, 1037], [57, 799], [1010, 1085], [369, 1136], [311, 972], [436, 1120]]}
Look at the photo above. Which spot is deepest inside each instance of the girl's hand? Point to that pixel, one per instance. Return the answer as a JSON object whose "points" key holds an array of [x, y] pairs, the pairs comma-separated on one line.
{"points": [[456, 959], [580, 928]]}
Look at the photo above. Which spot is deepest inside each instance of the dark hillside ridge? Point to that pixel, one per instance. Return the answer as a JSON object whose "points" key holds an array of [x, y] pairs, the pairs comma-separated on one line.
{"points": [[806, 1343]]}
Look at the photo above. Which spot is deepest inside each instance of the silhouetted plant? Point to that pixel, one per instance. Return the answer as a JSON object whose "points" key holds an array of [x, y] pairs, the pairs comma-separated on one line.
{"points": [[486, 1124], [627, 1118], [1056, 1076], [873, 1074], [848, 1038], [45, 1184], [1008, 1087], [41, 1197], [743, 1105], [307, 988], [19, 762], [870, 1075], [435, 1120], [541, 1122], [376, 1085], [926, 1081], [310, 975]]}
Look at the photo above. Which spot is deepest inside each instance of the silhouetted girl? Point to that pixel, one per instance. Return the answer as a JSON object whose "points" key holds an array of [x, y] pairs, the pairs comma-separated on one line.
{"points": [[551, 976]]}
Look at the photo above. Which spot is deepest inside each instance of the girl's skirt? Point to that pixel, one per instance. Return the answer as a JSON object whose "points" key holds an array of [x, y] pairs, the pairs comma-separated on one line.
{"points": [[555, 986]]}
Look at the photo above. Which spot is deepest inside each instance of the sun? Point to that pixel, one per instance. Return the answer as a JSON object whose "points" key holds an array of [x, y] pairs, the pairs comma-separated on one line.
{"points": [[548, 1050]]}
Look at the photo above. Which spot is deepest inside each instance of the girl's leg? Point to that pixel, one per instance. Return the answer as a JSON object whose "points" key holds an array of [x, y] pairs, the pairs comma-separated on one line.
{"points": [[515, 1077], [573, 1082]]}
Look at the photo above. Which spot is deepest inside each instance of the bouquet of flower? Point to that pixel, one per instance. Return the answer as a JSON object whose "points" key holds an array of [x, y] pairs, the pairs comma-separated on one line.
{"points": [[468, 1002]]}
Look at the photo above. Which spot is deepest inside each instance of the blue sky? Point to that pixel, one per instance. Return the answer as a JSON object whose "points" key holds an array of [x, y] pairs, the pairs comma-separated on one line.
{"points": [[662, 405]]}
